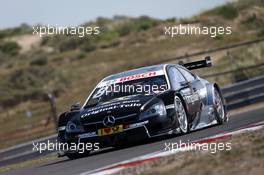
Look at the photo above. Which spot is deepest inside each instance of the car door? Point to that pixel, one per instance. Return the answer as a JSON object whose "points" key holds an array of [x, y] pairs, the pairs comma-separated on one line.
{"points": [[179, 83], [195, 85]]}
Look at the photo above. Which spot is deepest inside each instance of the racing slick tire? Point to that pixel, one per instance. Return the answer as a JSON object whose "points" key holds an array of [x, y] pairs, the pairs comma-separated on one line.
{"points": [[181, 115], [219, 108]]}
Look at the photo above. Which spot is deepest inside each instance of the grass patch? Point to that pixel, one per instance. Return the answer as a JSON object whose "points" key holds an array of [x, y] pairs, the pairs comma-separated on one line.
{"points": [[245, 157]]}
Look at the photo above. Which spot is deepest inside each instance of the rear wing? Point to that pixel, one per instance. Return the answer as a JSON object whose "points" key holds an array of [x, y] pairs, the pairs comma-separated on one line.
{"points": [[197, 64]]}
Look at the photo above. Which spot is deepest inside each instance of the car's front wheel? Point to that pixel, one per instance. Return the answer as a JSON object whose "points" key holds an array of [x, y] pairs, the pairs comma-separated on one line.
{"points": [[181, 115]]}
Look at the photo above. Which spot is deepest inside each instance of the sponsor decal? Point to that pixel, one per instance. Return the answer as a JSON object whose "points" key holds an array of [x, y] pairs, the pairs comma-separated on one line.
{"points": [[118, 105], [110, 130], [131, 77], [192, 98], [138, 76]]}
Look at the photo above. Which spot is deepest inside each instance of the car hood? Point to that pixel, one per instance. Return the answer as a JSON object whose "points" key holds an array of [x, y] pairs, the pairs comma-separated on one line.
{"points": [[117, 108]]}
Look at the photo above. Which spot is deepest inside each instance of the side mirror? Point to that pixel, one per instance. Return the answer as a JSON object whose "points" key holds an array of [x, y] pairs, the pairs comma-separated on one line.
{"points": [[76, 107], [208, 61]]}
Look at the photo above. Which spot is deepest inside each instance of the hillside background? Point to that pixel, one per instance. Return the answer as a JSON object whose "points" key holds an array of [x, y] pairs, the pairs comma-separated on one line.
{"points": [[70, 66]]}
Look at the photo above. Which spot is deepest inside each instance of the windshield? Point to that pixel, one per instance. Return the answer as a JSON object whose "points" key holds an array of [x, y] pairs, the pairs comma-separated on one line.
{"points": [[143, 86]]}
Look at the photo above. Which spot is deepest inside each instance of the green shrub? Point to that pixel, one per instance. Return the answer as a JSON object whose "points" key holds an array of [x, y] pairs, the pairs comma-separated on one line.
{"points": [[253, 21], [107, 35], [39, 60], [88, 47], [30, 83], [125, 29], [228, 11], [172, 20], [10, 48], [144, 23], [110, 30], [22, 29], [68, 43], [81, 55], [245, 4], [260, 33]]}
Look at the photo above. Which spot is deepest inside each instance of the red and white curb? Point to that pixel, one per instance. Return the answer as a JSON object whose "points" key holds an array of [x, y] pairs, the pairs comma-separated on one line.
{"points": [[117, 167]]}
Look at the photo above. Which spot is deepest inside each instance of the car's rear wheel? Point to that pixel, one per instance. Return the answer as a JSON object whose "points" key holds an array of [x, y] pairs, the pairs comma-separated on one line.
{"points": [[181, 115], [219, 107]]}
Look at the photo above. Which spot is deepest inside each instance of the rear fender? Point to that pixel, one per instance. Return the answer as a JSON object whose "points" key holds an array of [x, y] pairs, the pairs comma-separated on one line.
{"points": [[210, 94]]}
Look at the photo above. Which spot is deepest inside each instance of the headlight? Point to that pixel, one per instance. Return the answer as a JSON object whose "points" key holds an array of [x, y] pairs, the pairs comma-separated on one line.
{"points": [[73, 127], [156, 109]]}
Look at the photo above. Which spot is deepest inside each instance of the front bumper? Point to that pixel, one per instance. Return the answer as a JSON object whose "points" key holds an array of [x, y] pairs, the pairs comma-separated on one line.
{"points": [[132, 133], [134, 126]]}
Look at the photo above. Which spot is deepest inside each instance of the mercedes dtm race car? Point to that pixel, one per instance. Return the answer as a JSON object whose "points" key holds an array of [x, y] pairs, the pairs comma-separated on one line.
{"points": [[143, 103]]}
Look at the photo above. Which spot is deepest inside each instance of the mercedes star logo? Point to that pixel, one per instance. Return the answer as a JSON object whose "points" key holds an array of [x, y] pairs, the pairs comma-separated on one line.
{"points": [[109, 121]]}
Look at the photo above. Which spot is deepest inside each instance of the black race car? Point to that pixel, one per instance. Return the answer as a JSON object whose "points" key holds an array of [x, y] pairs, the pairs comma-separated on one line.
{"points": [[143, 103]]}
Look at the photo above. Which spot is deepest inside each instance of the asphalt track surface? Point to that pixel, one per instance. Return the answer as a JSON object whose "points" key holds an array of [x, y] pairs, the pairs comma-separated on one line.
{"points": [[64, 166]]}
